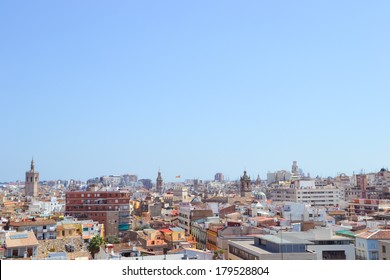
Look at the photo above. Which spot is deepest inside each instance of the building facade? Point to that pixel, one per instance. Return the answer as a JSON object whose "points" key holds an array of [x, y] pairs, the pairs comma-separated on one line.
{"points": [[110, 208], [313, 195], [384, 249], [43, 229], [21, 245]]}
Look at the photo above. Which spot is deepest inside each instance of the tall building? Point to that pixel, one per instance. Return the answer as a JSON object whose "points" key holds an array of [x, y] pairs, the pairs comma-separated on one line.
{"points": [[276, 177], [246, 189], [295, 169], [111, 208], [147, 183], [219, 177], [362, 184], [32, 179], [159, 183]]}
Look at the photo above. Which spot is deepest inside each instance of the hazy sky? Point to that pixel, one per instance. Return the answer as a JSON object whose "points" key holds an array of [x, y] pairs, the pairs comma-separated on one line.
{"points": [[93, 88]]}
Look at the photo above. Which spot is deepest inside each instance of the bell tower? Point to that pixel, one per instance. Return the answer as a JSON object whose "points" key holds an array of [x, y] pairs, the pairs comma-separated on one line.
{"points": [[32, 179], [159, 183], [246, 189]]}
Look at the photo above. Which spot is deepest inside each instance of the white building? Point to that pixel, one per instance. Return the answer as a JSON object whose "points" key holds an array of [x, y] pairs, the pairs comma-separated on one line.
{"points": [[316, 244], [319, 196], [315, 196], [327, 245], [294, 211]]}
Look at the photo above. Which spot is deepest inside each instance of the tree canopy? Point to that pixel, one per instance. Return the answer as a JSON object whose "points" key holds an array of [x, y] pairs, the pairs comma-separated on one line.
{"points": [[94, 244]]}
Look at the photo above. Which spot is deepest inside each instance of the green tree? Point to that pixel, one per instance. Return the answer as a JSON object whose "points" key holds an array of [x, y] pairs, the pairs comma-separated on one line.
{"points": [[94, 244]]}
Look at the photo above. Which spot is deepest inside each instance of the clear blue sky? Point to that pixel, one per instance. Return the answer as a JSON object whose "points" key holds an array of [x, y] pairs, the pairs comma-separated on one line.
{"points": [[92, 88]]}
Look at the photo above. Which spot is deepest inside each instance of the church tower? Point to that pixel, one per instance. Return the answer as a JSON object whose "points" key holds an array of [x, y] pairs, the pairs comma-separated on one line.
{"points": [[159, 183], [258, 181], [246, 189], [32, 179]]}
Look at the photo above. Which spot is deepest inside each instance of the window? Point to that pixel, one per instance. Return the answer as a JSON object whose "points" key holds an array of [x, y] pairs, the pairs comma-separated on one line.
{"points": [[383, 249]]}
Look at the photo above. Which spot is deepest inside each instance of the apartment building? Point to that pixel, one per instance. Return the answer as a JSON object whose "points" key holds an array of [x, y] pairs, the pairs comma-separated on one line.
{"points": [[43, 229], [313, 195], [188, 213], [367, 206], [110, 208]]}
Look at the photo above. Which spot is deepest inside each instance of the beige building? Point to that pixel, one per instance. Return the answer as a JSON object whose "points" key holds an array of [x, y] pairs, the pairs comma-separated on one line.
{"points": [[21, 245]]}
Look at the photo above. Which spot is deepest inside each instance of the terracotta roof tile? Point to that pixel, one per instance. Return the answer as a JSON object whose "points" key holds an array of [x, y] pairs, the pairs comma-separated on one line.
{"points": [[375, 234], [33, 223]]}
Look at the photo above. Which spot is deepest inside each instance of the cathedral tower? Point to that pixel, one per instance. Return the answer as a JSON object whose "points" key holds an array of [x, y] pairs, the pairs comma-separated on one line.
{"points": [[159, 183], [246, 189], [32, 179]]}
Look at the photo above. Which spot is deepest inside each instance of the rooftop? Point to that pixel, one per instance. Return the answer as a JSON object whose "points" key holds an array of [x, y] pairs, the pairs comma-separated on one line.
{"points": [[346, 233], [285, 239], [33, 223], [375, 234], [248, 244], [18, 239], [177, 229]]}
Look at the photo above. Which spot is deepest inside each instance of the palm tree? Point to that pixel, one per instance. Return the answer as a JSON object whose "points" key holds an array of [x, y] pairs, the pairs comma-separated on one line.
{"points": [[94, 244]]}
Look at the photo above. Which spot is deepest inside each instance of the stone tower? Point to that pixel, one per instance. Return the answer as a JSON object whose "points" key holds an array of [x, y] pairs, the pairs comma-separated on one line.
{"points": [[32, 179], [246, 189], [159, 183]]}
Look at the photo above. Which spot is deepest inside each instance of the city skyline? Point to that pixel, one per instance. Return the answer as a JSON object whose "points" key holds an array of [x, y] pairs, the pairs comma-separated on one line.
{"points": [[91, 89], [171, 177]]}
